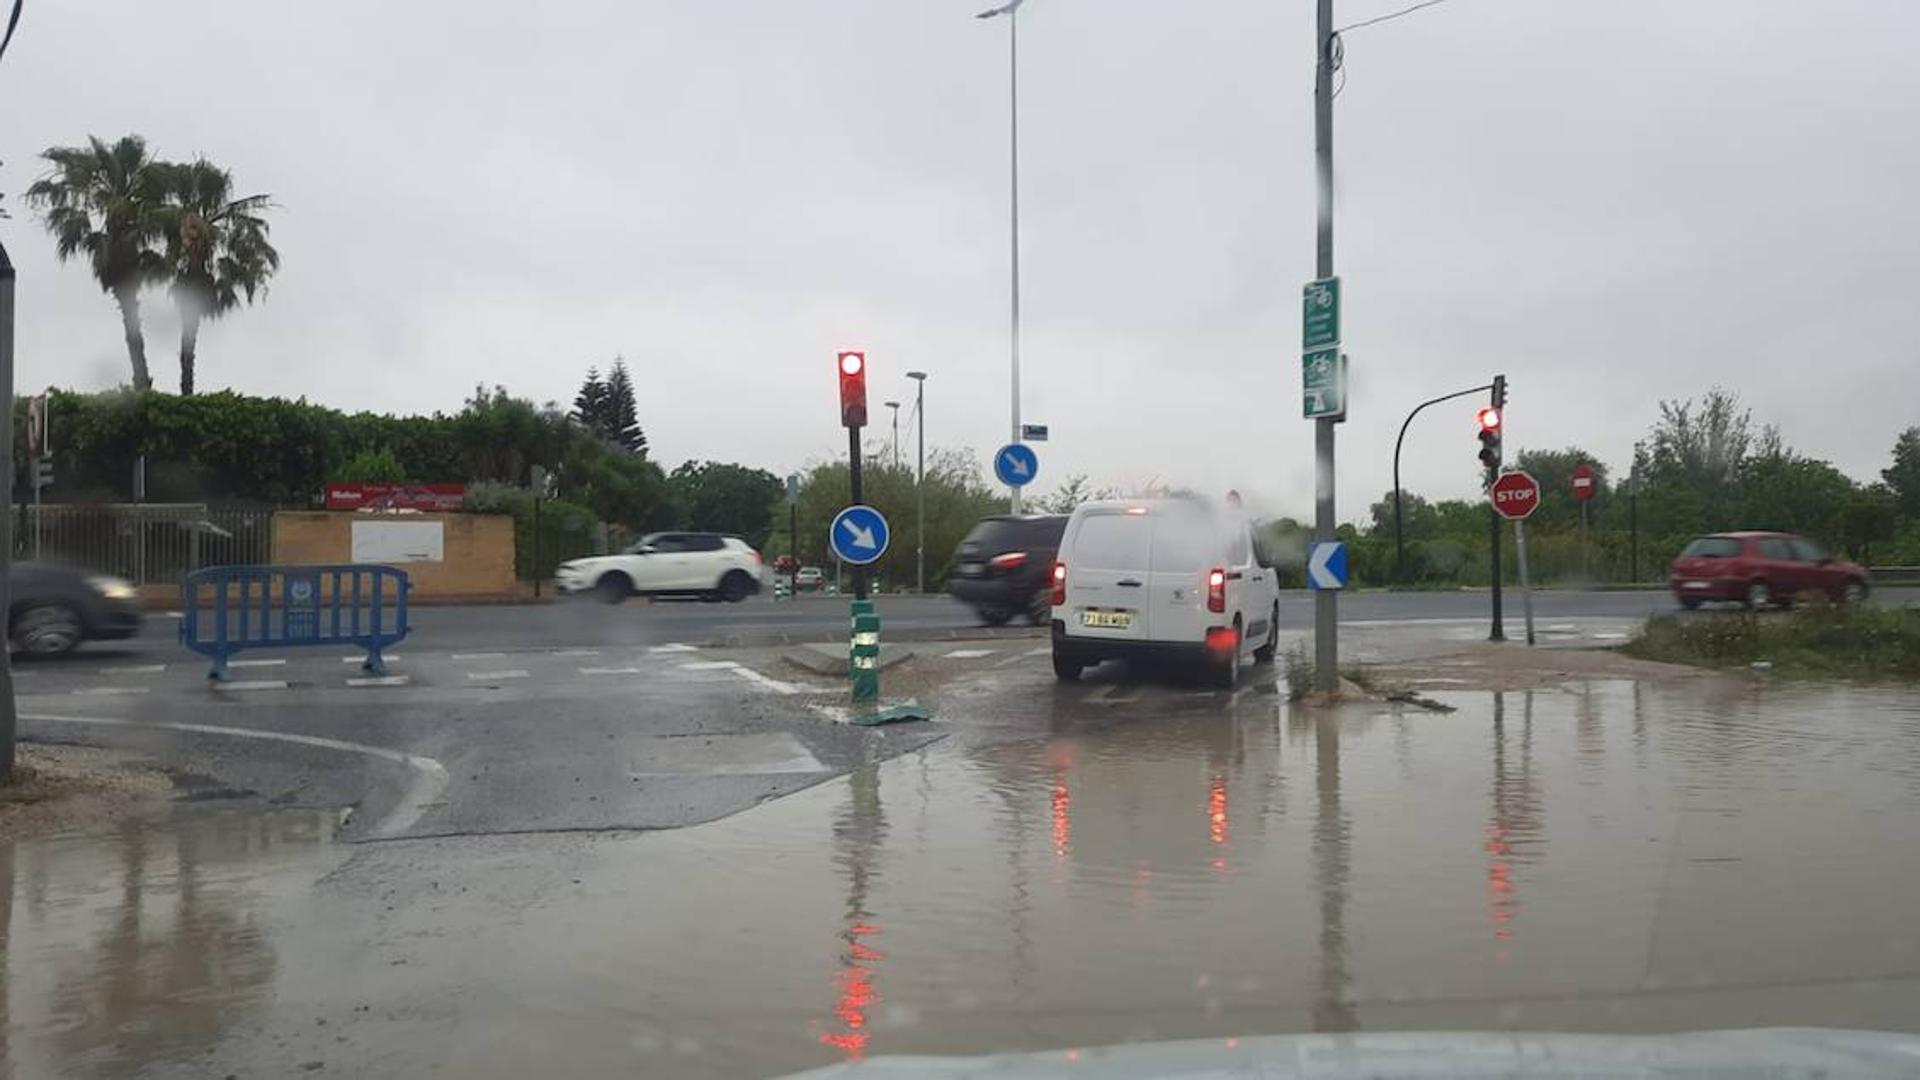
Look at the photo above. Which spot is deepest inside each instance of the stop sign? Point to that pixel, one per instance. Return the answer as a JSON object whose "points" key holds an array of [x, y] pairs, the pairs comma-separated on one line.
{"points": [[1515, 494], [1583, 486]]}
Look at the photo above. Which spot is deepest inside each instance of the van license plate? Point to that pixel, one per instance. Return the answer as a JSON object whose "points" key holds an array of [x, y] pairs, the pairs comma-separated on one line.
{"points": [[1117, 620]]}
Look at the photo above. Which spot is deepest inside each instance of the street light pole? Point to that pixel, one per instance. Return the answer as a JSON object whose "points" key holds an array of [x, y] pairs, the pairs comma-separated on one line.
{"points": [[1013, 201], [1326, 602], [8, 719], [920, 482], [895, 406]]}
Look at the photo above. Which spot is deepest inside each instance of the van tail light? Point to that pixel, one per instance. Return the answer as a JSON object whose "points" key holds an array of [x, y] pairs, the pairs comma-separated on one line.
{"points": [[1012, 560], [1217, 591], [1059, 580]]}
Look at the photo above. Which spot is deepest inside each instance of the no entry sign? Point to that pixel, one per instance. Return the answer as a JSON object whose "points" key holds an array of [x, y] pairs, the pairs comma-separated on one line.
{"points": [[1583, 485], [1515, 495]]}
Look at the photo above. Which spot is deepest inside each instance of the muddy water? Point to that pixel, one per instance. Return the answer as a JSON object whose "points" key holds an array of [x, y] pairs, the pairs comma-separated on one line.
{"points": [[1611, 858]]}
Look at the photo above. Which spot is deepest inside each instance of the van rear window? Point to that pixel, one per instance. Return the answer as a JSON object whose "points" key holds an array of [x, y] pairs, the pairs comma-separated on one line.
{"points": [[1184, 542], [1113, 541]]}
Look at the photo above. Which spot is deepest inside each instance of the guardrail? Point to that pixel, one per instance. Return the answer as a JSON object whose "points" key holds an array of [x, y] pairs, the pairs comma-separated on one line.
{"points": [[229, 609], [1894, 575]]}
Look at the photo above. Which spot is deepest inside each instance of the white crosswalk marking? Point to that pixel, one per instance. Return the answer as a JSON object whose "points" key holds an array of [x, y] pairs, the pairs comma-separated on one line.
{"points": [[362, 658], [380, 680], [709, 665], [242, 685], [132, 669], [576, 652], [671, 647], [102, 691], [609, 671], [516, 673], [274, 662], [478, 655], [969, 654]]}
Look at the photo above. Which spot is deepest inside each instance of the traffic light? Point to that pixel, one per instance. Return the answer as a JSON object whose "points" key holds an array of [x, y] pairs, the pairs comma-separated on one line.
{"points": [[853, 389], [1499, 391], [1489, 418]]}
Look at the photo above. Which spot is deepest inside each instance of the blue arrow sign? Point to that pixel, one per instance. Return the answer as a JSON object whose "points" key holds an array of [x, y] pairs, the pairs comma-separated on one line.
{"points": [[858, 535], [1327, 565], [1016, 464]]}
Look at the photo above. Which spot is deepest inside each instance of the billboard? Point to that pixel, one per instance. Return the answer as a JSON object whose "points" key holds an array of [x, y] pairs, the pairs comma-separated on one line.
{"points": [[442, 497]]}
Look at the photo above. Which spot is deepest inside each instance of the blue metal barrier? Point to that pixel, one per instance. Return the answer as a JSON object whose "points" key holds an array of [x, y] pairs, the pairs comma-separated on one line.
{"points": [[226, 609]]}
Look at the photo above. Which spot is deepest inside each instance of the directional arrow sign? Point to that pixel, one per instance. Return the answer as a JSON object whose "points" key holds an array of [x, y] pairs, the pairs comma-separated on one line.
{"points": [[858, 535], [1016, 464], [1327, 565]]}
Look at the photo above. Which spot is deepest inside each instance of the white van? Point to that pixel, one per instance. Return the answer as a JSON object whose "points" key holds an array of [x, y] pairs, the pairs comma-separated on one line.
{"points": [[1161, 578]]}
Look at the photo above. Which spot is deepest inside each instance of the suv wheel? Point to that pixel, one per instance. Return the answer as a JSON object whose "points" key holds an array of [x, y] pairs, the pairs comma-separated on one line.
{"points": [[736, 586], [613, 587], [47, 630], [1040, 607], [995, 616]]}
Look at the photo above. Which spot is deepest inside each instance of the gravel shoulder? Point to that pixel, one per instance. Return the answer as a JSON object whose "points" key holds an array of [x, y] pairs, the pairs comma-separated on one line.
{"points": [[1488, 666], [60, 788]]}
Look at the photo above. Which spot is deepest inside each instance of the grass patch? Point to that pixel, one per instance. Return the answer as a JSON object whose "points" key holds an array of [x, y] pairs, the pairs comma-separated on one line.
{"points": [[1818, 640], [1300, 669]]}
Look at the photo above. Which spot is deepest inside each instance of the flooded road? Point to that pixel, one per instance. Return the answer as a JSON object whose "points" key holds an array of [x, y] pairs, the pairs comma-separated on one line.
{"points": [[1609, 857]]}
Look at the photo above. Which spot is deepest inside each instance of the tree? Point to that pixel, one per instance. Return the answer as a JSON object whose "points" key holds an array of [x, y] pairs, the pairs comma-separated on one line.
{"points": [[373, 466], [1072, 491], [1554, 470], [107, 203], [1903, 476], [590, 404], [217, 250], [714, 496], [1418, 520], [1783, 490], [1870, 515], [622, 418], [1694, 461]]}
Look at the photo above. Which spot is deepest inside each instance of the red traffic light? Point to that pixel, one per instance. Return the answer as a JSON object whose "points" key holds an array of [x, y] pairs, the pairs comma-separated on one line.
{"points": [[853, 389], [1489, 418]]}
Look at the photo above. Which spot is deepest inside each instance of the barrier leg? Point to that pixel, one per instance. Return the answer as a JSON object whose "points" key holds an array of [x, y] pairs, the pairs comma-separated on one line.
{"points": [[375, 663], [219, 668]]}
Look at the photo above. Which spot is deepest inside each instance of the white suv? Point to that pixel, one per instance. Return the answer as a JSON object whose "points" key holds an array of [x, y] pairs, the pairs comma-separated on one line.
{"points": [[1162, 578], [707, 565]]}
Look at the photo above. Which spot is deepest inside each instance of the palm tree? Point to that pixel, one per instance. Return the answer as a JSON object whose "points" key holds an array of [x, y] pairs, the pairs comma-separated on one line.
{"points": [[104, 202], [217, 250]]}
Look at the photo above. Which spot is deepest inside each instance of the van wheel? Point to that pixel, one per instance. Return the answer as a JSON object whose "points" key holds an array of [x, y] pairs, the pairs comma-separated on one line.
{"points": [[1265, 653], [1225, 672], [613, 588], [736, 586], [1065, 667]]}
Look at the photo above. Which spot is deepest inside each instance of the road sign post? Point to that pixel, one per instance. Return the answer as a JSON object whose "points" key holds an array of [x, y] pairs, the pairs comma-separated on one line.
{"points": [[1583, 491], [1515, 496]]}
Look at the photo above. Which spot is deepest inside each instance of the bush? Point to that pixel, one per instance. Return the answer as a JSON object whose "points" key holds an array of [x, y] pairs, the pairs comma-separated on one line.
{"points": [[566, 528], [1819, 639]]}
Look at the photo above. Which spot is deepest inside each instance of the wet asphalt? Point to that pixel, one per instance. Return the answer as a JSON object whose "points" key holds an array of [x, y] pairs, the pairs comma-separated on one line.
{"points": [[1119, 860]]}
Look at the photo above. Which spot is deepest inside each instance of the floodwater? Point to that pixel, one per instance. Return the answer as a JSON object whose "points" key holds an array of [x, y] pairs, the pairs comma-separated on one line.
{"points": [[1613, 857]]}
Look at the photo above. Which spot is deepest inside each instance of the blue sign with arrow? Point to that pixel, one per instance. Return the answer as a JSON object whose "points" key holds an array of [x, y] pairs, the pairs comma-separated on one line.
{"points": [[1327, 565], [858, 535], [1016, 464]]}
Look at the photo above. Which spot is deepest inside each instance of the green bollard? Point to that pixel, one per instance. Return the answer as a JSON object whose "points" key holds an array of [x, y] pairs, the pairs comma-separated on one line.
{"points": [[863, 661]]}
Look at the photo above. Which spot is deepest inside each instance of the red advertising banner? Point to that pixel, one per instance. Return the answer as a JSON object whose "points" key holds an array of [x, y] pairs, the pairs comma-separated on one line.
{"points": [[442, 497]]}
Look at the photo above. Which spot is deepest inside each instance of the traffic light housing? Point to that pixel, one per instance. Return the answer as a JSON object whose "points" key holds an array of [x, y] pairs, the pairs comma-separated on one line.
{"points": [[852, 367], [1489, 418]]}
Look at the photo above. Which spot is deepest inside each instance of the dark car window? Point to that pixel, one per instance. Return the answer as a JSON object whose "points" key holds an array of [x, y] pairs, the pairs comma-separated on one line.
{"points": [[704, 542], [666, 543], [1712, 547], [1776, 547], [1808, 551], [991, 536]]}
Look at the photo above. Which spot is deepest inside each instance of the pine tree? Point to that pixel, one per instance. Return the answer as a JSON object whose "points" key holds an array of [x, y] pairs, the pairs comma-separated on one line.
{"points": [[590, 405], [622, 414]]}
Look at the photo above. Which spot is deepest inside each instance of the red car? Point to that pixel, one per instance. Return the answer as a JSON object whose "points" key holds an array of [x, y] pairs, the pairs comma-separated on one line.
{"points": [[1761, 569]]}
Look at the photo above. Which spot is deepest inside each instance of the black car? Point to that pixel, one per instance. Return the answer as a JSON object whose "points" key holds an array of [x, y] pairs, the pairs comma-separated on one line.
{"points": [[1001, 567], [57, 607]]}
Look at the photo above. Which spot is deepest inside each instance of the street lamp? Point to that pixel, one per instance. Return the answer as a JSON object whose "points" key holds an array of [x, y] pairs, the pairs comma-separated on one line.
{"points": [[895, 406], [919, 481], [1013, 113]]}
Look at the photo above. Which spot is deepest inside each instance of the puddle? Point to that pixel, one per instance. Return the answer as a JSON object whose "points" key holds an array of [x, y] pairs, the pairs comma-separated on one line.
{"points": [[1603, 858]]}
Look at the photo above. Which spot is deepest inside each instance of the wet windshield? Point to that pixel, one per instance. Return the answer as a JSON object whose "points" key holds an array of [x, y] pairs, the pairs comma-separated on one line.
{"points": [[1372, 538]]}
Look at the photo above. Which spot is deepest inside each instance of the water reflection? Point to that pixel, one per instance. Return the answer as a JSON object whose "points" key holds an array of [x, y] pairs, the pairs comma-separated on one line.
{"points": [[1332, 865], [137, 946], [858, 831]]}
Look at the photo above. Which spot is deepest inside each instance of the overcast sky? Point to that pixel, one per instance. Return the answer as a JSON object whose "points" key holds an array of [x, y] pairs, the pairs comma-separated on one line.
{"points": [[1612, 201]]}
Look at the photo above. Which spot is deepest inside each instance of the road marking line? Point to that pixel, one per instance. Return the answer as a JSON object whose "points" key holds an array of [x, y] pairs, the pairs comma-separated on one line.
{"points": [[770, 683], [517, 673], [362, 658], [1610, 637], [576, 652], [381, 680], [430, 777], [257, 663], [131, 669], [1099, 695], [609, 671], [970, 654], [103, 691], [478, 655], [709, 665], [671, 647], [250, 684], [1048, 651]]}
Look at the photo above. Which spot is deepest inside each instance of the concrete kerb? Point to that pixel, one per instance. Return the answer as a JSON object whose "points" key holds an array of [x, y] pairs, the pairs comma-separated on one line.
{"points": [[818, 663]]}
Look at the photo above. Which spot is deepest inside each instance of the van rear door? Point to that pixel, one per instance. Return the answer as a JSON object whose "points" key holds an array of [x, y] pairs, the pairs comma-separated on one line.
{"points": [[1187, 543], [1106, 557]]}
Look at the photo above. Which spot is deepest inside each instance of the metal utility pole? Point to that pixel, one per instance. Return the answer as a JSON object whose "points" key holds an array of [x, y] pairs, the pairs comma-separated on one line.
{"points": [[920, 481], [8, 719], [1013, 112], [895, 406], [1326, 602]]}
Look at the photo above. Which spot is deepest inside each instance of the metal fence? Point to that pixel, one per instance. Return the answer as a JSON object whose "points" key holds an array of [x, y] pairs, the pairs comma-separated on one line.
{"points": [[146, 543]]}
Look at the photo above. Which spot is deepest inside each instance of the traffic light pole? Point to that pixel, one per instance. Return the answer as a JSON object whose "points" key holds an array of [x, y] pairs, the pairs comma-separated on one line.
{"points": [[1326, 602], [853, 472], [8, 719], [1399, 546]]}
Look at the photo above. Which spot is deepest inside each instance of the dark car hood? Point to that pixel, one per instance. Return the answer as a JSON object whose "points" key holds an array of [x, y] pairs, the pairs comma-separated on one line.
{"points": [[1779, 1052]]}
